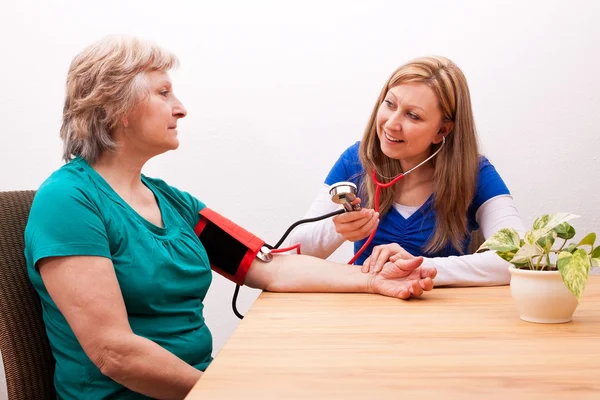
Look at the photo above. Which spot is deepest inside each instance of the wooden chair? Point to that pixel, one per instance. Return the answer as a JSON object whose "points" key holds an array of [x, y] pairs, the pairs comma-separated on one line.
{"points": [[477, 240], [28, 361]]}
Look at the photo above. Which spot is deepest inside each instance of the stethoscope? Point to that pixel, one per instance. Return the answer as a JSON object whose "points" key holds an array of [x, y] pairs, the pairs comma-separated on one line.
{"points": [[345, 192], [341, 193]]}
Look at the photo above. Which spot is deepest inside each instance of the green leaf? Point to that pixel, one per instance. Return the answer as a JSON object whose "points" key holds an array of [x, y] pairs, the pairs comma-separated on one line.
{"points": [[565, 231], [525, 253], [545, 224], [596, 252], [549, 221], [506, 239], [509, 255], [588, 240], [506, 255], [571, 248], [546, 242], [574, 269]]}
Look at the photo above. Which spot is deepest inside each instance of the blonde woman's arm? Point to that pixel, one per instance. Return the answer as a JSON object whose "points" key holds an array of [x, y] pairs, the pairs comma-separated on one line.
{"points": [[481, 269]]}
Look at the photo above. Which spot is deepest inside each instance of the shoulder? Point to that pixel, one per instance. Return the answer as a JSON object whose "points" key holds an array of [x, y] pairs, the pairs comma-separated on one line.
{"points": [[67, 213], [485, 163], [489, 183], [487, 172], [68, 186], [351, 153]]}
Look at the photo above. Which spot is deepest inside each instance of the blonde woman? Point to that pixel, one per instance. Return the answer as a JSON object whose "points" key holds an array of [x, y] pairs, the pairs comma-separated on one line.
{"points": [[424, 107], [113, 253]]}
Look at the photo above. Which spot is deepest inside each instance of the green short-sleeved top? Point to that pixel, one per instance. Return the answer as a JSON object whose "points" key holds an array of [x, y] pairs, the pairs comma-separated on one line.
{"points": [[163, 273]]}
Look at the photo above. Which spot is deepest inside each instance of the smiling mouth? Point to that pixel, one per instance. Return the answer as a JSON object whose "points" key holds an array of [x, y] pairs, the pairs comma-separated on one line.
{"points": [[391, 139]]}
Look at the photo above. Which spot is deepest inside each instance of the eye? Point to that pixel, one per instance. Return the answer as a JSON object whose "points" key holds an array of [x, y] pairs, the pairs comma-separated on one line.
{"points": [[164, 93], [414, 116], [388, 102]]}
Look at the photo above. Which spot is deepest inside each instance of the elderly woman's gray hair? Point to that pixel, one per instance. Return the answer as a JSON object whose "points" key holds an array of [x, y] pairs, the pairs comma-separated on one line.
{"points": [[104, 82]]}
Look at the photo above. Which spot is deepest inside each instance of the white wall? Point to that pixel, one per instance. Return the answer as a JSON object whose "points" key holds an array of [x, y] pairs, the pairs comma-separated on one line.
{"points": [[276, 90]]}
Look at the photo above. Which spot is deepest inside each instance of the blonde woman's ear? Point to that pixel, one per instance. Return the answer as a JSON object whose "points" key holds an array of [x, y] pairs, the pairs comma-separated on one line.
{"points": [[446, 128]]}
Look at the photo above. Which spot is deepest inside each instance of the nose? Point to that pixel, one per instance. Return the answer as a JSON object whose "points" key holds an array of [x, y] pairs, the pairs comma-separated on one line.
{"points": [[179, 110], [394, 122]]}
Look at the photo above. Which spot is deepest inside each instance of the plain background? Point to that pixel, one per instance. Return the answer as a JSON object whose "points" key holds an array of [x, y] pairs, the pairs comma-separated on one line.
{"points": [[276, 90]]}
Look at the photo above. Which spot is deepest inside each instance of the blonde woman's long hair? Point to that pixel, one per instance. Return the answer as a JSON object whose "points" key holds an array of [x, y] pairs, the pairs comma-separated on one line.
{"points": [[457, 164]]}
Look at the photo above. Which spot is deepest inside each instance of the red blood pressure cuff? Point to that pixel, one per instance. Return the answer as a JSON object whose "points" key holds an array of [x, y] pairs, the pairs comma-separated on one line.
{"points": [[230, 248]]}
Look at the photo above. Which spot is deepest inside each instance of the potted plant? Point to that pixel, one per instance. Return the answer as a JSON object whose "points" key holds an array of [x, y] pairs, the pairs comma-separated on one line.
{"points": [[547, 280]]}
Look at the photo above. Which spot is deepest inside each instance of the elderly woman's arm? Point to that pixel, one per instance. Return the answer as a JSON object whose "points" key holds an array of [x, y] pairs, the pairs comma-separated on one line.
{"points": [[86, 291], [299, 273]]}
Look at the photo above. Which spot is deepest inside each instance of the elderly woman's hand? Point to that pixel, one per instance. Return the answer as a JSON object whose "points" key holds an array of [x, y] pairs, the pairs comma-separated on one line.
{"points": [[403, 278], [382, 254]]}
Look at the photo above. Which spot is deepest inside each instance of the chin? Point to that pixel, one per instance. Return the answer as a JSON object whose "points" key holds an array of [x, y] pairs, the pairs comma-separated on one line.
{"points": [[173, 144], [391, 153]]}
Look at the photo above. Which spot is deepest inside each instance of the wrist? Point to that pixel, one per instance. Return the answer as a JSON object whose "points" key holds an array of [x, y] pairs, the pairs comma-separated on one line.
{"points": [[370, 283]]}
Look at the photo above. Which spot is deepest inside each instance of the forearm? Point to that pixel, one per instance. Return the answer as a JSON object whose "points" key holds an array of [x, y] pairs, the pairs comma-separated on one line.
{"points": [[145, 367], [482, 269], [299, 273]]}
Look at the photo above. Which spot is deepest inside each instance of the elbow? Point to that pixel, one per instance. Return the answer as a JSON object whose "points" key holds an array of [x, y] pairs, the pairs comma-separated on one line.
{"points": [[112, 360]]}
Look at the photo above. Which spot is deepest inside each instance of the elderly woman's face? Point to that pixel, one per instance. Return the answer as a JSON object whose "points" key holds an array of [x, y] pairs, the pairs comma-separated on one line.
{"points": [[152, 124]]}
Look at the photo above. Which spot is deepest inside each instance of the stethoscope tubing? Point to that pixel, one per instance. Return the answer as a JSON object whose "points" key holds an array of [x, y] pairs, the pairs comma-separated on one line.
{"points": [[378, 188]]}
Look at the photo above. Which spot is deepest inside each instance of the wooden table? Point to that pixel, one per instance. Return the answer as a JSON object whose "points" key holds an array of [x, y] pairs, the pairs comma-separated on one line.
{"points": [[466, 343]]}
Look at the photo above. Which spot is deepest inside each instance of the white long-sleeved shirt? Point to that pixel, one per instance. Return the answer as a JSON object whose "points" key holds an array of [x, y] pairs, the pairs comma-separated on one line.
{"points": [[320, 239]]}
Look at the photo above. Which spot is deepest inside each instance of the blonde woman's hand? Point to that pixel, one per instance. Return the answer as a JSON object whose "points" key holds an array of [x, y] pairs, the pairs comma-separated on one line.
{"points": [[356, 225], [382, 254]]}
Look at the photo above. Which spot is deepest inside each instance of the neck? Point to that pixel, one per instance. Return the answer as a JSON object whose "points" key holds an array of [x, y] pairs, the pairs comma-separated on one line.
{"points": [[121, 171], [417, 186], [424, 171], [420, 175]]}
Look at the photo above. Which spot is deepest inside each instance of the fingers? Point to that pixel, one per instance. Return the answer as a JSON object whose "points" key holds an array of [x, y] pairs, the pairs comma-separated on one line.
{"points": [[416, 289], [409, 265], [401, 254], [428, 272], [354, 216], [369, 227], [356, 225], [373, 259], [366, 265], [406, 289], [426, 284], [379, 256], [404, 293]]}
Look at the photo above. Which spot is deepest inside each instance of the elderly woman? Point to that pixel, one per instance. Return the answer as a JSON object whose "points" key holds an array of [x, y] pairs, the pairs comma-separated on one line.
{"points": [[113, 253]]}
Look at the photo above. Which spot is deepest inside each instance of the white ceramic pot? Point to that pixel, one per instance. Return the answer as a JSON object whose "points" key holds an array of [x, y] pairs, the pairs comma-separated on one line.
{"points": [[541, 296]]}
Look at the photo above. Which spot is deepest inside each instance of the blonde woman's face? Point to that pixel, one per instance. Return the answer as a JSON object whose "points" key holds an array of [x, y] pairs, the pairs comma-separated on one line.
{"points": [[153, 122], [409, 121]]}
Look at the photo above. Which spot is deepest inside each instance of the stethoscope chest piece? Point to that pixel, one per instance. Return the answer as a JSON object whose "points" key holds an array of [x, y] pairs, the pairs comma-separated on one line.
{"points": [[343, 193]]}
